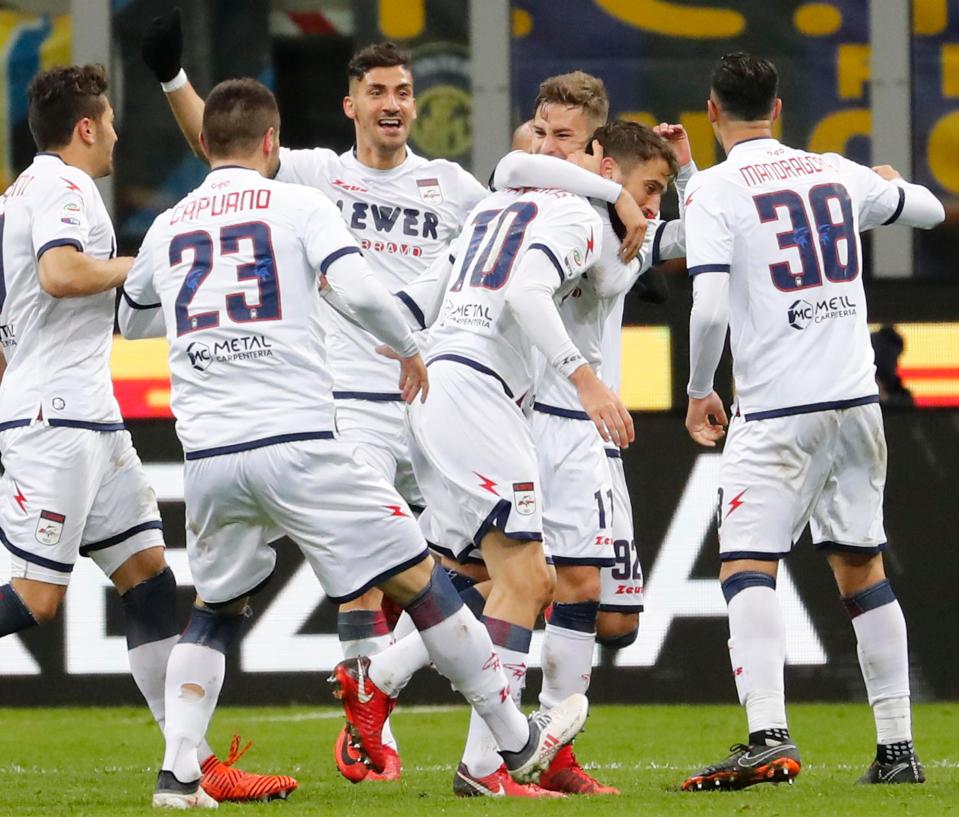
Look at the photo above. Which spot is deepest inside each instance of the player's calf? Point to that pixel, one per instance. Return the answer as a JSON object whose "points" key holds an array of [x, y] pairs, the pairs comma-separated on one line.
{"points": [[14, 613]]}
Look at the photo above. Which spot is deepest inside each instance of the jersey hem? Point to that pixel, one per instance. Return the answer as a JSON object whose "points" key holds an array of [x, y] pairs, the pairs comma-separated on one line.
{"points": [[236, 448], [809, 408], [474, 365], [372, 396], [557, 411]]}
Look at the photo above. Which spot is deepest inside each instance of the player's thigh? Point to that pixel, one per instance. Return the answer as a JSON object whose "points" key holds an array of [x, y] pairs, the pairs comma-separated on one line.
{"points": [[227, 532], [622, 582], [49, 482], [474, 459], [351, 524], [124, 518], [771, 474], [577, 490], [848, 513]]}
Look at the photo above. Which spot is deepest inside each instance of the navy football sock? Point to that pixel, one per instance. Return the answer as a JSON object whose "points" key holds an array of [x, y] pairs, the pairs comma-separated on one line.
{"points": [[14, 614]]}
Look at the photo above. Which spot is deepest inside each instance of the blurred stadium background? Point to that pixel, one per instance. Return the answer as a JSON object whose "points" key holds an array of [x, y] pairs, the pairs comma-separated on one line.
{"points": [[878, 81]]}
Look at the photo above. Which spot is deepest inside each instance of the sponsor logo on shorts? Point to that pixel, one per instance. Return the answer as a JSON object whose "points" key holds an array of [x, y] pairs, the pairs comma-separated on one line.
{"points": [[232, 350], [801, 313], [50, 527], [524, 498]]}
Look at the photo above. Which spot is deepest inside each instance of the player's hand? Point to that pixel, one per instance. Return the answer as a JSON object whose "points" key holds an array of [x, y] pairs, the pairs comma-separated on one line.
{"points": [[588, 161], [678, 141], [888, 172], [162, 46], [604, 407], [631, 214], [706, 419], [413, 377]]}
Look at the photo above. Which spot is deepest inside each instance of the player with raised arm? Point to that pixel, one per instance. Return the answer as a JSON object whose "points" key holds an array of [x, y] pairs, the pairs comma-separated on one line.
{"points": [[231, 275], [773, 245], [73, 482]]}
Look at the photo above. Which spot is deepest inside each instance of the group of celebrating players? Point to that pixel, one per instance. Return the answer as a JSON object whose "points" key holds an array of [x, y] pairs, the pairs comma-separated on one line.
{"points": [[296, 287]]}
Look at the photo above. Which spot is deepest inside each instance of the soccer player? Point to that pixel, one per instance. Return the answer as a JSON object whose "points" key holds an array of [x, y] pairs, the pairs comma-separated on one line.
{"points": [[231, 275], [773, 247], [72, 482]]}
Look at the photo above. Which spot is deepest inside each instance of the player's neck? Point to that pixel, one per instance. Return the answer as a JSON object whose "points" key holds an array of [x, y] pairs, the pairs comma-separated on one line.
{"points": [[239, 161], [380, 160], [75, 157], [737, 132]]}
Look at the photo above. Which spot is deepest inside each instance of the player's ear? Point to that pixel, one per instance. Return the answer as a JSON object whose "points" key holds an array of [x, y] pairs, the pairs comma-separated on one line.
{"points": [[86, 130], [607, 167], [712, 111], [777, 109], [348, 108], [203, 147]]}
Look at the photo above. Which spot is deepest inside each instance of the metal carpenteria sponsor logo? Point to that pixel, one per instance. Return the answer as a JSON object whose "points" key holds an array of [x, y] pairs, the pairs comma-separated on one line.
{"points": [[801, 313], [231, 350]]}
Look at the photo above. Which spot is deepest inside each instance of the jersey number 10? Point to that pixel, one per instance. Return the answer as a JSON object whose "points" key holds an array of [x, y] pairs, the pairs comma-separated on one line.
{"points": [[490, 267]]}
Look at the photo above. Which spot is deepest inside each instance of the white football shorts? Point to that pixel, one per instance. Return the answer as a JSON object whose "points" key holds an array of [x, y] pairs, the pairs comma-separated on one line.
{"points": [[474, 460], [622, 583], [379, 431], [352, 526], [827, 468], [578, 501], [69, 492]]}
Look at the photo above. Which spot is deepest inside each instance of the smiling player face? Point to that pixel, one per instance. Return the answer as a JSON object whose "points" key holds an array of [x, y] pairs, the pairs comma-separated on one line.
{"points": [[559, 130], [383, 108], [646, 182]]}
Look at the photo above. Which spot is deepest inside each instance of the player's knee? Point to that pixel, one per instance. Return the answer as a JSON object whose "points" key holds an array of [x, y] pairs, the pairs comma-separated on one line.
{"points": [[577, 583], [41, 599], [617, 630], [150, 609], [542, 586]]}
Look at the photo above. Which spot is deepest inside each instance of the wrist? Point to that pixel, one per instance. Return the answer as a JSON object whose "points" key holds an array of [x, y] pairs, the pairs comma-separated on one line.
{"points": [[176, 83]]}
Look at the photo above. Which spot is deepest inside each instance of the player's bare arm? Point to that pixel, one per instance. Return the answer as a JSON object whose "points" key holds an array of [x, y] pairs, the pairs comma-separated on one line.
{"points": [[604, 407], [64, 272]]}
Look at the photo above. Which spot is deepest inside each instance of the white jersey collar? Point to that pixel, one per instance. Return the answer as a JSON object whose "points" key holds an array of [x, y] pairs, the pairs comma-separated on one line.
{"points": [[754, 142]]}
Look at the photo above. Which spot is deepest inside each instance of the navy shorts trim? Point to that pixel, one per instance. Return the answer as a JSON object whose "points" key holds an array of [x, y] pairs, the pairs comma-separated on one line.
{"points": [[701, 268], [14, 424], [621, 608], [809, 408], [262, 443], [759, 556], [60, 567], [463, 558], [473, 365], [60, 242], [898, 210], [569, 414], [381, 577], [154, 524], [336, 255], [87, 425], [372, 396], [838, 548], [656, 242], [585, 561], [411, 305], [613, 453], [497, 518], [134, 305], [217, 605], [552, 257]]}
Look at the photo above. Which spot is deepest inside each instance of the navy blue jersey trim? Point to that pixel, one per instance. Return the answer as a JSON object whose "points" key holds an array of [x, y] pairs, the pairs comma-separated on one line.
{"points": [[898, 212], [134, 305], [60, 567], [589, 562], [336, 255], [835, 546], [372, 396], [154, 524], [614, 453], [473, 365], [621, 608], [410, 304], [87, 425], [60, 242], [49, 153], [381, 577], [700, 268], [261, 443], [759, 556], [809, 408], [552, 257], [751, 139], [14, 424], [656, 241], [569, 414], [230, 167]]}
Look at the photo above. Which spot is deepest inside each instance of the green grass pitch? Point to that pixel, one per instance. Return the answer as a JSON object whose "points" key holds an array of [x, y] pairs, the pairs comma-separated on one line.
{"points": [[81, 762]]}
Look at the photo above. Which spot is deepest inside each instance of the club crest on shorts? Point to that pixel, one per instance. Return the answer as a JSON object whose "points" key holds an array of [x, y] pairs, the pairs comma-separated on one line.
{"points": [[524, 498], [50, 527]]}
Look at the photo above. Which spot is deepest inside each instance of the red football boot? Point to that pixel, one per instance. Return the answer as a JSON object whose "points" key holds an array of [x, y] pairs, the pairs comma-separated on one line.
{"points": [[366, 707], [224, 782], [566, 775], [497, 784]]}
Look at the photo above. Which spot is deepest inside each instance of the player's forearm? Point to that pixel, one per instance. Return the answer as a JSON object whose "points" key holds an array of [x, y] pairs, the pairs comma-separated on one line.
{"points": [[65, 272], [920, 208], [187, 106], [519, 169], [708, 322]]}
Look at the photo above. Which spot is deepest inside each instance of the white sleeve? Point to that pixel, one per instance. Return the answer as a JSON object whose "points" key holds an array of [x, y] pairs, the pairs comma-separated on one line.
{"points": [[709, 237], [610, 276], [919, 207], [530, 299], [307, 167], [423, 297], [708, 321], [140, 313], [354, 283], [63, 218], [519, 169], [471, 193], [882, 202]]}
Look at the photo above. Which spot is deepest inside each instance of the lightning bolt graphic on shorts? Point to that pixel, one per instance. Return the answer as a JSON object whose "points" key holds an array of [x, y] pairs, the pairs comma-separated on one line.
{"points": [[487, 483], [736, 501], [20, 499], [397, 510]]}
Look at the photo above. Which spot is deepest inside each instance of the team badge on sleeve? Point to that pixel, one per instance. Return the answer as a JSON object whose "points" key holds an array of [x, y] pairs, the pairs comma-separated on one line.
{"points": [[524, 498], [430, 190], [50, 527]]}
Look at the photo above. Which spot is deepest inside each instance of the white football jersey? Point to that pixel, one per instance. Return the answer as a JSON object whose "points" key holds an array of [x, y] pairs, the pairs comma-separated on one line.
{"points": [[57, 349], [474, 324], [403, 219], [235, 267], [784, 223]]}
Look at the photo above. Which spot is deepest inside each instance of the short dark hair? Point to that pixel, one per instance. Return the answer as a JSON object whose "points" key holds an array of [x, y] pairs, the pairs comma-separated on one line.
{"points": [[745, 86], [236, 115], [576, 89], [59, 98], [376, 55], [632, 142]]}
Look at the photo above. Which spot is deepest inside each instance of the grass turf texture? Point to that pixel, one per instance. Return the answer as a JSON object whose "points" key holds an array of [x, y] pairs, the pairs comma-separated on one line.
{"points": [[96, 762]]}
